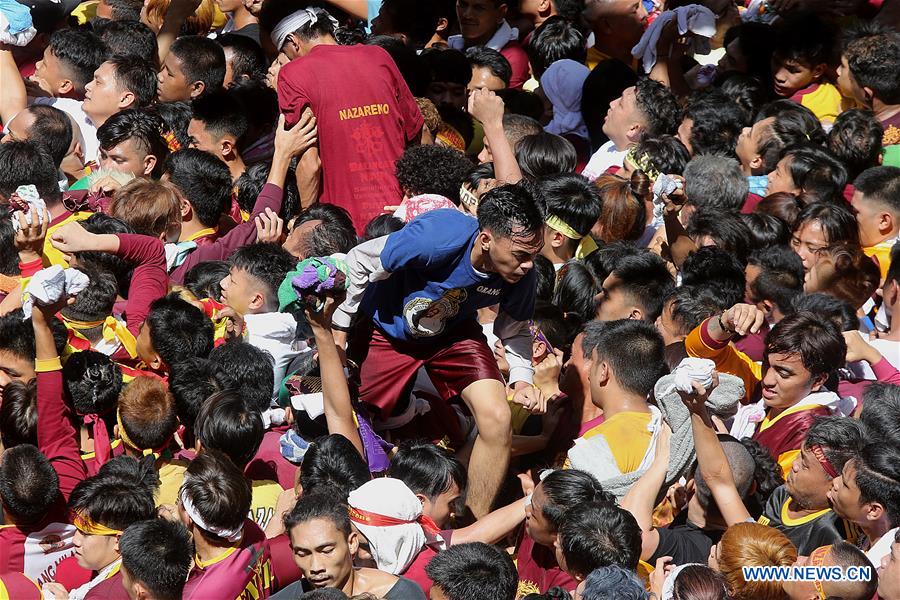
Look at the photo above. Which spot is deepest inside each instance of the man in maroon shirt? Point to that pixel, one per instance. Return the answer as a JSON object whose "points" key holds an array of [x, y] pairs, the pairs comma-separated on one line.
{"points": [[365, 113]]}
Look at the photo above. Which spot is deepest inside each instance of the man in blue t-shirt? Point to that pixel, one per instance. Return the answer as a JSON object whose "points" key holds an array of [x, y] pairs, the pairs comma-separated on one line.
{"points": [[419, 291]]}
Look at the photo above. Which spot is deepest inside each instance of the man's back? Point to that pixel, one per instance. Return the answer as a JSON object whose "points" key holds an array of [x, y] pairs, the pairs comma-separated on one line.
{"points": [[365, 116]]}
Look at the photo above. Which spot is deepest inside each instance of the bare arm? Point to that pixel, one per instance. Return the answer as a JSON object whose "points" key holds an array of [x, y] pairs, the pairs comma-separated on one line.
{"points": [[357, 8], [493, 526], [487, 107], [14, 97], [176, 15]]}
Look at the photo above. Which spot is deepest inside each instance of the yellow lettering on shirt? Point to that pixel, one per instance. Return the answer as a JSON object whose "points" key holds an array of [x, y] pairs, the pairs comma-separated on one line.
{"points": [[366, 110]]}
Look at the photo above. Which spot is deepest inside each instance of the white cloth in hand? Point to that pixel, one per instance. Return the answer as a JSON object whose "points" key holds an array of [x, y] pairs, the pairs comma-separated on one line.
{"points": [[29, 194], [690, 370], [50, 285], [692, 18]]}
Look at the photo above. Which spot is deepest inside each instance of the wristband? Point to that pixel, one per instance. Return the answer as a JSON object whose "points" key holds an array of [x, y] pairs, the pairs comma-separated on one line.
{"points": [[722, 325]]}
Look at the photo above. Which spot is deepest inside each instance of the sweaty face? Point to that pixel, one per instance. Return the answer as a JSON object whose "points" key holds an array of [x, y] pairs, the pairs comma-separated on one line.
{"points": [[479, 19], [322, 553], [790, 76], [810, 242], [127, 157], [49, 73], [103, 96], [173, 85], [512, 257], [807, 482], [889, 574], [786, 381], [780, 179], [868, 219], [536, 524], [484, 79], [844, 495], [93, 552]]}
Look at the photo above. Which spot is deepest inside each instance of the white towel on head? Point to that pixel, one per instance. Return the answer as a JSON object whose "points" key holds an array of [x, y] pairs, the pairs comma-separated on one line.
{"points": [[393, 547], [692, 18], [51, 285]]}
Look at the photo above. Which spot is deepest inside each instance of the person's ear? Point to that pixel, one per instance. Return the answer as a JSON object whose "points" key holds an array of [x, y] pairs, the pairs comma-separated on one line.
{"points": [[197, 88], [116, 543], [885, 222], [545, 7], [637, 314], [257, 301], [149, 164], [442, 25], [819, 70], [502, 10], [198, 446], [228, 147], [484, 239], [353, 542], [868, 95], [767, 307], [126, 100], [601, 372], [874, 511], [139, 591], [557, 240], [186, 210], [422, 499], [818, 382], [539, 348], [65, 86], [635, 133], [756, 163]]}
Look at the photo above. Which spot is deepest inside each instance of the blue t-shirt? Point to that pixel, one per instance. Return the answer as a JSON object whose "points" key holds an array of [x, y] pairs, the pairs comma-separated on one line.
{"points": [[433, 286]]}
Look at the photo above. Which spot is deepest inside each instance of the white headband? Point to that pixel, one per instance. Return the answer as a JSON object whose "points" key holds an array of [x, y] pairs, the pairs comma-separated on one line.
{"points": [[232, 535], [295, 21]]}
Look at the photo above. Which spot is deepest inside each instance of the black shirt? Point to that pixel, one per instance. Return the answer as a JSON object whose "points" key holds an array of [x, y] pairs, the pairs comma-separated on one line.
{"points": [[685, 542]]}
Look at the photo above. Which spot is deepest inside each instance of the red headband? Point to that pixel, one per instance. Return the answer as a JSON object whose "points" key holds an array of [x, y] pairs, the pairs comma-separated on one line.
{"points": [[819, 452], [364, 517]]}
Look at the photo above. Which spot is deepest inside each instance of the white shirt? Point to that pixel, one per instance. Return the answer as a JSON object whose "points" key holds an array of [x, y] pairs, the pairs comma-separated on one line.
{"points": [[604, 158], [88, 132]]}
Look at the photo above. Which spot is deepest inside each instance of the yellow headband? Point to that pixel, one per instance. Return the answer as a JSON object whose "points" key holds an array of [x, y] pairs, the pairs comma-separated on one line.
{"points": [[642, 163], [123, 435], [113, 329], [87, 526], [557, 224]]}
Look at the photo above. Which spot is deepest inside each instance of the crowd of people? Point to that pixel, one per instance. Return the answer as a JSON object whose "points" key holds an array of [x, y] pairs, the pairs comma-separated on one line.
{"points": [[450, 299]]}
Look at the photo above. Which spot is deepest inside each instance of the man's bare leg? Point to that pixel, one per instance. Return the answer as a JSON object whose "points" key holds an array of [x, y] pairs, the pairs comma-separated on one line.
{"points": [[490, 455]]}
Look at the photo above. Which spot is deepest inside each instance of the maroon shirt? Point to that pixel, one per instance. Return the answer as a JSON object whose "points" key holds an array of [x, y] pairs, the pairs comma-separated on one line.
{"points": [[365, 115], [416, 569], [538, 569]]}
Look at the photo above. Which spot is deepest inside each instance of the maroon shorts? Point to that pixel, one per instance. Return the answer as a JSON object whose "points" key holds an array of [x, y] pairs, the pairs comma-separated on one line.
{"points": [[388, 367]]}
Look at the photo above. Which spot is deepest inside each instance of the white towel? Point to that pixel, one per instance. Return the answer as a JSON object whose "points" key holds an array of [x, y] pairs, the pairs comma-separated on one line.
{"points": [[692, 18], [687, 372], [29, 194], [51, 285]]}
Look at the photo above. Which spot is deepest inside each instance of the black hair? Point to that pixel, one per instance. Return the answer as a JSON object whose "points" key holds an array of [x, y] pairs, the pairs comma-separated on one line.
{"points": [[604, 84], [747, 92], [219, 492], [551, 321], [881, 411], [416, 20], [766, 230], [571, 198], [248, 60], [845, 554], [432, 169], [479, 173], [250, 184], [717, 123], [518, 102], [93, 260], [717, 268], [93, 382], [116, 501], [817, 342], [335, 234], [509, 210], [873, 55], [121, 10], [191, 382], [780, 278], [474, 571], [129, 37], [178, 330], [158, 554], [321, 504], [204, 280], [228, 423], [203, 180], [817, 172], [493, 61], [546, 279], [878, 476], [726, 229], [259, 103], [410, 65], [17, 334], [836, 220], [646, 279], [659, 105], [81, 51], [18, 414], [251, 369], [556, 39], [333, 463], [882, 186], [666, 153], [220, 113], [267, 263], [599, 534], [177, 119], [893, 273], [841, 438], [607, 582], [633, 350], [793, 124], [690, 305], [145, 129], [576, 289], [544, 154], [202, 59], [855, 140], [28, 162], [427, 469], [9, 255], [447, 66], [381, 225], [52, 128], [766, 475], [806, 39], [29, 485], [838, 311], [137, 75], [566, 489]]}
